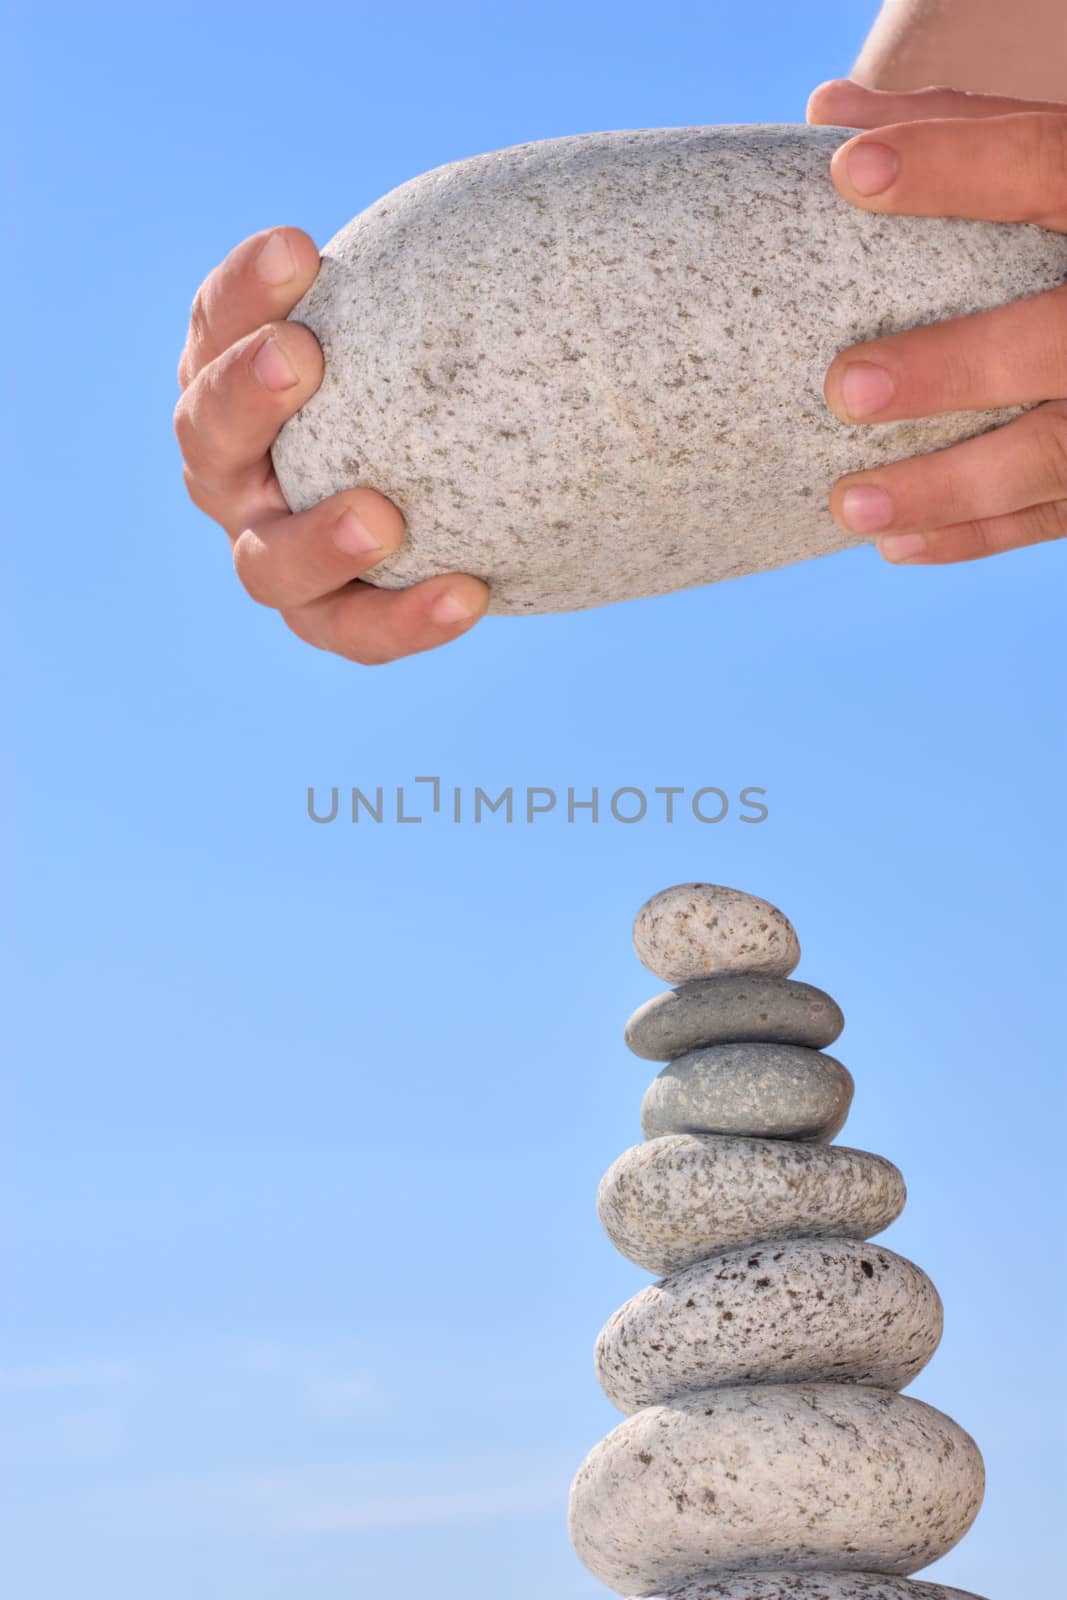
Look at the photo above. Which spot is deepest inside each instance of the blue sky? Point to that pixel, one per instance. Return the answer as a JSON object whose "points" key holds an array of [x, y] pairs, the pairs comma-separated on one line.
{"points": [[304, 1123]]}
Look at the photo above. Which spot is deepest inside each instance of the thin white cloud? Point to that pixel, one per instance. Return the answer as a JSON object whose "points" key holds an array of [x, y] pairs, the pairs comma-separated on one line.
{"points": [[486, 1503], [323, 1499], [61, 1377]]}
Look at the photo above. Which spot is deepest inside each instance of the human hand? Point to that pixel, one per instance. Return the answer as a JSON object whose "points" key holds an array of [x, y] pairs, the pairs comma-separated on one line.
{"points": [[942, 153], [243, 372]]}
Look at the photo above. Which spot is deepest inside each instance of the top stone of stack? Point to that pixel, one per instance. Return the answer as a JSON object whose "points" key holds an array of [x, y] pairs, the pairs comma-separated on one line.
{"points": [[701, 930]]}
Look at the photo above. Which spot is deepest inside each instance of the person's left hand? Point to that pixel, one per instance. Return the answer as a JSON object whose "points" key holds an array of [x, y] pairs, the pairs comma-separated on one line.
{"points": [[941, 153]]}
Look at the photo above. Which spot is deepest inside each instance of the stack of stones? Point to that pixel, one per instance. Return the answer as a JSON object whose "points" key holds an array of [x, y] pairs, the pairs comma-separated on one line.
{"points": [[768, 1453]]}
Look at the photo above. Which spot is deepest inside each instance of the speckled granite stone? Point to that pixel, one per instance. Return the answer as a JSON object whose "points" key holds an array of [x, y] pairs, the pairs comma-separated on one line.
{"points": [[830, 1477], [813, 1586], [789, 1311], [733, 1006], [774, 1091], [676, 1200], [590, 368], [693, 930]]}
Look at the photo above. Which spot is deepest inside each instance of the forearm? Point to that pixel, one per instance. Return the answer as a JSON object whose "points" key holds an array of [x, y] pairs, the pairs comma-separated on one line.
{"points": [[1007, 47]]}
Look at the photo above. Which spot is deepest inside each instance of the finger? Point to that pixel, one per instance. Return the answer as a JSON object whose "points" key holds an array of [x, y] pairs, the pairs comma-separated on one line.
{"points": [[1001, 169], [971, 541], [1004, 470], [373, 626], [1010, 355], [846, 104], [259, 281], [230, 415], [288, 561]]}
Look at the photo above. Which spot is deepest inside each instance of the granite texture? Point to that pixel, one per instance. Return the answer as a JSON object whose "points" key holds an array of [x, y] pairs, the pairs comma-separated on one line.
{"points": [[827, 1477], [773, 1091], [679, 1199], [789, 1311], [733, 1007], [694, 930], [813, 1586], [590, 368]]}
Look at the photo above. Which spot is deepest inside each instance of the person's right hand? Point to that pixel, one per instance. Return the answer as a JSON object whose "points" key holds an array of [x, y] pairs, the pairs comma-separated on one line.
{"points": [[243, 372]]}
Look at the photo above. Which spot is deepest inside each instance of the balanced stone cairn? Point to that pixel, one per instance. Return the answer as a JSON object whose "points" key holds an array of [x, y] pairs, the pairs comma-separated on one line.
{"points": [[767, 1452]]}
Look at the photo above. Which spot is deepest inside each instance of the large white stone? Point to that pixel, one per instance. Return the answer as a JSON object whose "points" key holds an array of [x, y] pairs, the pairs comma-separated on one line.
{"points": [[827, 1477], [676, 1200], [591, 368], [789, 1311], [814, 1586]]}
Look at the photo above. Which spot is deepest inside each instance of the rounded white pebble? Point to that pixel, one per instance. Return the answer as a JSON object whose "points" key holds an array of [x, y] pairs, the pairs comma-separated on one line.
{"points": [[826, 1477], [814, 1586], [695, 930], [769, 1091], [788, 1311], [674, 1201]]}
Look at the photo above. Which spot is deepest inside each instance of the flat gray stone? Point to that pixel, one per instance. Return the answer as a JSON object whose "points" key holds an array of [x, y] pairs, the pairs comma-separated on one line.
{"points": [[772, 1091], [831, 1477], [677, 1200], [733, 1007], [814, 1586], [591, 368], [789, 1311], [695, 930]]}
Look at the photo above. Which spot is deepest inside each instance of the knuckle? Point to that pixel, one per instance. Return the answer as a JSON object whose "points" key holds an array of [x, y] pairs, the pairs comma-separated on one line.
{"points": [[250, 567], [1050, 520], [978, 537], [1054, 437], [364, 651], [199, 323], [963, 371], [295, 620], [192, 487], [183, 423], [1049, 152]]}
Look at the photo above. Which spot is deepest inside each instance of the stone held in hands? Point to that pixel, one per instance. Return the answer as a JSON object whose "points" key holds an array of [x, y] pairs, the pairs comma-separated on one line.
{"points": [[788, 1311], [591, 368], [769, 1091], [733, 1007], [824, 1476], [695, 930], [679, 1199]]}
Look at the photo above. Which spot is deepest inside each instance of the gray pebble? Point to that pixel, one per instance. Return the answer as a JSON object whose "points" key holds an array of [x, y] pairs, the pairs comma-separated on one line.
{"points": [[831, 1477], [733, 1007], [676, 1200], [693, 930], [788, 1311], [534, 351], [813, 1586], [772, 1091]]}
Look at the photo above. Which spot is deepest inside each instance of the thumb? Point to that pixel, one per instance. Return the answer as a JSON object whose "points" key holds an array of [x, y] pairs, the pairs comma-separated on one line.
{"points": [[843, 103]]}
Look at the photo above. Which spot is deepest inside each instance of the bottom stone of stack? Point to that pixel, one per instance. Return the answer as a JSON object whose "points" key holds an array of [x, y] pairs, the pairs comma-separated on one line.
{"points": [[814, 1586], [820, 1477]]}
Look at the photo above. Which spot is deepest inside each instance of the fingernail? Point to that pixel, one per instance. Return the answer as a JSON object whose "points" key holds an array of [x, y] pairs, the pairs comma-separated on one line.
{"points": [[272, 366], [872, 167], [451, 607], [866, 509], [352, 537], [865, 388], [275, 263], [903, 546]]}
